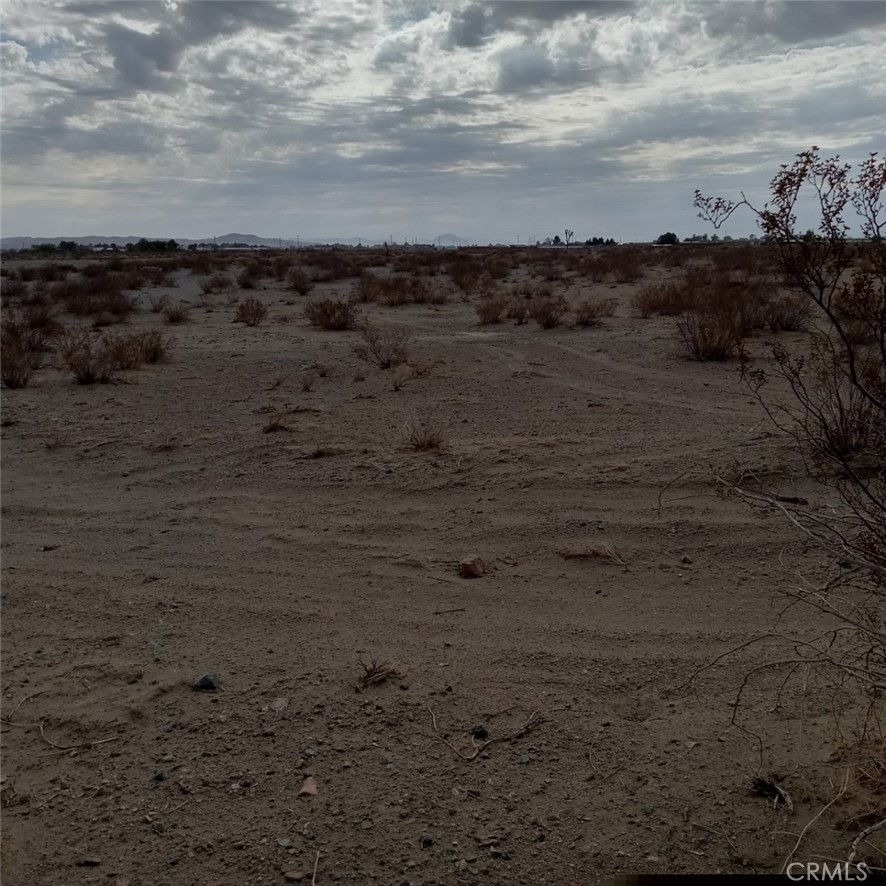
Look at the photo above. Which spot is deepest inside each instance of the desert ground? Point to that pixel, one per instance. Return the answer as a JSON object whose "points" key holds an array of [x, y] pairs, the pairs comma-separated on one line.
{"points": [[253, 506]]}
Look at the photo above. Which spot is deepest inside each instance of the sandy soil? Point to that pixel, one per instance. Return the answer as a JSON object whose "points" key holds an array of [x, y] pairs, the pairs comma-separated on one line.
{"points": [[153, 532]]}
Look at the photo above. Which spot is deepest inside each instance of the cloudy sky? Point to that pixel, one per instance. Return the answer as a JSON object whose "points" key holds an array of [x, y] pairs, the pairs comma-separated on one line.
{"points": [[495, 121]]}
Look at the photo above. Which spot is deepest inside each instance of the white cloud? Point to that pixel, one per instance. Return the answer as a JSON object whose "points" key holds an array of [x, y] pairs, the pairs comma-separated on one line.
{"points": [[324, 116]]}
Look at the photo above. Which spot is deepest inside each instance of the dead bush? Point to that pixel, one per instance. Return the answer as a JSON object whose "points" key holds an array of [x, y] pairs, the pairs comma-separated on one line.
{"points": [[709, 334], [363, 288], [157, 303], [384, 347], [87, 357], [549, 312], [17, 361], [400, 375], [176, 314], [421, 435], [590, 311], [251, 312], [215, 283], [787, 313], [331, 313], [298, 280], [491, 310], [518, 311]]}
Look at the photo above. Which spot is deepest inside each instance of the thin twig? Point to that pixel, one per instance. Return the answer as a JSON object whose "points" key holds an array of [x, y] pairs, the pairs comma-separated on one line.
{"points": [[71, 747], [863, 836], [316, 862], [812, 821], [534, 720], [446, 611], [8, 719]]}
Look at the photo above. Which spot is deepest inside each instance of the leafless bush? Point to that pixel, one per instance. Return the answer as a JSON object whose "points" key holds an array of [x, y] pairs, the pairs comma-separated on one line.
{"points": [[298, 280], [787, 313], [251, 312], [549, 312], [364, 287], [421, 435], [835, 413], [176, 314], [491, 310], [400, 375], [215, 283], [518, 311], [385, 347], [87, 357], [709, 334], [157, 303], [590, 311], [17, 360], [331, 313]]}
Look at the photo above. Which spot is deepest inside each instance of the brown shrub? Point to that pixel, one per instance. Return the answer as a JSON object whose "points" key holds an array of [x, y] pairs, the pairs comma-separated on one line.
{"points": [[87, 357], [298, 280], [175, 314], [421, 435], [383, 347], [787, 313], [215, 283], [490, 310], [709, 334], [590, 311], [331, 313], [17, 360], [518, 311], [251, 312], [549, 312]]}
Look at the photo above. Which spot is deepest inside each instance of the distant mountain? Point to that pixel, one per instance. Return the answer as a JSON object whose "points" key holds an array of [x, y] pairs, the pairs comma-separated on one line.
{"points": [[446, 240]]}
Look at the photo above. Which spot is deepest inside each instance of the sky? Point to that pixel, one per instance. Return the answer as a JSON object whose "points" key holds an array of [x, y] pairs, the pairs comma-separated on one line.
{"points": [[499, 121]]}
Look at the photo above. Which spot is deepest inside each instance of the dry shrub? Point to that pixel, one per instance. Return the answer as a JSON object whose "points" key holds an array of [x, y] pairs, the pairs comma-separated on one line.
{"points": [[787, 313], [307, 381], [709, 334], [549, 312], [364, 287], [250, 275], [384, 347], [157, 303], [275, 423], [215, 283], [375, 674], [33, 334], [591, 311], [331, 313], [421, 435], [491, 310], [518, 311], [251, 312], [400, 375], [13, 288], [392, 292], [669, 298], [87, 357], [175, 314], [298, 280], [17, 360]]}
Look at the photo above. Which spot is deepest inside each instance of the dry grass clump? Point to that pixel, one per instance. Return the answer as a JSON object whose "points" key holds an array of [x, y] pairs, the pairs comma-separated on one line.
{"points": [[298, 280], [400, 375], [518, 311], [275, 424], [87, 357], [331, 313], [491, 310], [421, 435], [384, 347], [590, 311], [158, 303], [376, 673], [307, 381], [249, 276], [709, 334], [787, 313], [18, 361], [549, 312], [603, 551], [176, 314], [251, 312], [217, 282], [668, 298]]}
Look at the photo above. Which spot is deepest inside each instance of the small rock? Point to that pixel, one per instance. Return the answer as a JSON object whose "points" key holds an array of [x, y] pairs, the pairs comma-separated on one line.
{"points": [[279, 704], [294, 876], [89, 862], [309, 787], [425, 840], [159, 775], [480, 732], [685, 559], [207, 682], [471, 567], [284, 842]]}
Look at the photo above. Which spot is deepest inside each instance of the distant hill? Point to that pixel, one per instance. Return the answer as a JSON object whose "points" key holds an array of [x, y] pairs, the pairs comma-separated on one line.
{"points": [[445, 240]]}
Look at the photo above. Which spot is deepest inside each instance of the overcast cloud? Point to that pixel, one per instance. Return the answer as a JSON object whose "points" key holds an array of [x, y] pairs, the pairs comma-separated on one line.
{"points": [[496, 121]]}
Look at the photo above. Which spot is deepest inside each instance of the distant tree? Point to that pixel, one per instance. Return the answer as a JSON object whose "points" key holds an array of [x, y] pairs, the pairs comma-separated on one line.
{"points": [[45, 247], [67, 245], [668, 239], [569, 235], [556, 241], [171, 246]]}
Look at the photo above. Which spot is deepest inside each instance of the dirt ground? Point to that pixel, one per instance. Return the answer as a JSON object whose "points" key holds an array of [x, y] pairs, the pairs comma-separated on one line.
{"points": [[152, 533]]}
